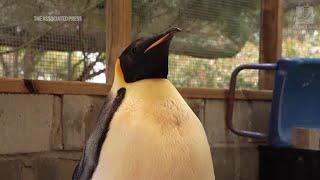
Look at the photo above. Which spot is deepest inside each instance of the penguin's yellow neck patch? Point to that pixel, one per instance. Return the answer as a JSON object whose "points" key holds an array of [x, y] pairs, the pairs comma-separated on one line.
{"points": [[118, 81], [118, 70]]}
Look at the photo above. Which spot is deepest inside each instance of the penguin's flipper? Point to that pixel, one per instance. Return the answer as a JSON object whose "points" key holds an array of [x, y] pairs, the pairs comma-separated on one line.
{"points": [[90, 156]]}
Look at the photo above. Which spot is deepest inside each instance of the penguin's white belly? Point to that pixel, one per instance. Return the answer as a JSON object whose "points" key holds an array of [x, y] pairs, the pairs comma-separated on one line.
{"points": [[157, 138]]}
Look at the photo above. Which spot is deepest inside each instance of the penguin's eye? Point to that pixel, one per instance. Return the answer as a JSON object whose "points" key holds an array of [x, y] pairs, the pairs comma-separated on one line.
{"points": [[133, 50]]}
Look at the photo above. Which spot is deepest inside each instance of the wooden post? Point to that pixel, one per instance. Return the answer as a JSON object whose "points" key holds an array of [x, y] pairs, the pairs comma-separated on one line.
{"points": [[118, 37], [270, 39]]}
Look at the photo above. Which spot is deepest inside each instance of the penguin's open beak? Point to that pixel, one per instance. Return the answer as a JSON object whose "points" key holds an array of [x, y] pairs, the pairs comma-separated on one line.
{"points": [[162, 39]]}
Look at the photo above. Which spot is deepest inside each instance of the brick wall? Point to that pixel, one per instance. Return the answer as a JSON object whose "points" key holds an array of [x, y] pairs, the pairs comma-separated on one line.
{"points": [[41, 136]]}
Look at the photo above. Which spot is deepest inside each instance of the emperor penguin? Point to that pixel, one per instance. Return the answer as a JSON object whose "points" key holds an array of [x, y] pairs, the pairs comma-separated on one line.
{"points": [[146, 131]]}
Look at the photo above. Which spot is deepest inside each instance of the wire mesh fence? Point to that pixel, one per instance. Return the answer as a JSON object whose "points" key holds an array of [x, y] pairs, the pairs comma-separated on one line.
{"points": [[62, 40], [52, 40], [217, 36]]}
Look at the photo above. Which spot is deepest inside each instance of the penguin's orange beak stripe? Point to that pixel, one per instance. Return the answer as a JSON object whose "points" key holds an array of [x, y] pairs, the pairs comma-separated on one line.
{"points": [[163, 39]]}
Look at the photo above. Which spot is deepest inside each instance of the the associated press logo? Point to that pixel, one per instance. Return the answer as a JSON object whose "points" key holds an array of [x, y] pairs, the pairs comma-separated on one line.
{"points": [[57, 18], [304, 15]]}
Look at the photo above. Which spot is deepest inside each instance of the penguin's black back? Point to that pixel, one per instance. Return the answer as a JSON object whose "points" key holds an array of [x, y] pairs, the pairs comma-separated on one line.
{"points": [[91, 152]]}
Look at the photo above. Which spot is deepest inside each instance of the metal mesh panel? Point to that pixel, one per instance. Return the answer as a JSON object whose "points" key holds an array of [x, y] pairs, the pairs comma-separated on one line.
{"points": [[301, 31], [52, 40], [217, 36]]}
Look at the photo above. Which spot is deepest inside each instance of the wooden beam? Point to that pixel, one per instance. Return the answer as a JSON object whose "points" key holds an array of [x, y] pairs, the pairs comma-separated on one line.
{"points": [[53, 87], [270, 39], [118, 14], [204, 93], [82, 88]]}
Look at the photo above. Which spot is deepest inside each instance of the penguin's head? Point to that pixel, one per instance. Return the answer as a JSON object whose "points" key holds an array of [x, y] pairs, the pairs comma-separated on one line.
{"points": [[146, 58]]}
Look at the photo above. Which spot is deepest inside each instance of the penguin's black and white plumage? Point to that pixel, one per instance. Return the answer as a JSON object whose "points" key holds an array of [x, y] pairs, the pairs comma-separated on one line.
{"points": [[146, 131]]}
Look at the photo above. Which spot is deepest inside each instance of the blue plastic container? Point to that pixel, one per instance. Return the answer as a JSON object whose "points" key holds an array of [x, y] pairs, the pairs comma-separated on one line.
{"points": [[296, 99]]}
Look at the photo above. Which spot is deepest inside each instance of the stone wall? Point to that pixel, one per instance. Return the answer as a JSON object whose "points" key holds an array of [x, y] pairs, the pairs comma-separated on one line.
{"points": [[41, 136]]}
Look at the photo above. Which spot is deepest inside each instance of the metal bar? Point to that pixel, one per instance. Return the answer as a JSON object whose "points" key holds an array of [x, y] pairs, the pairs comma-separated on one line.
{"points": [[231, 98]]}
